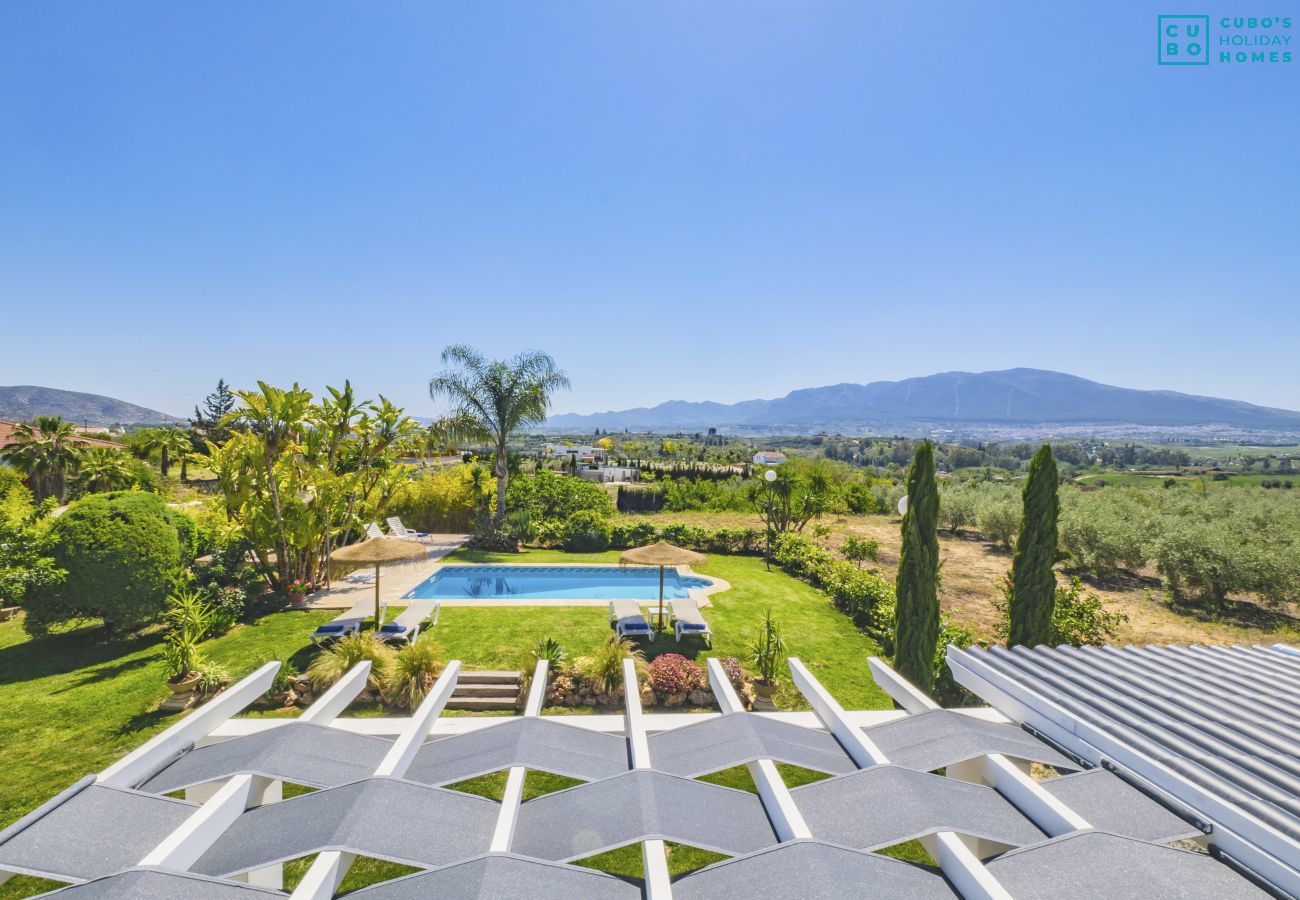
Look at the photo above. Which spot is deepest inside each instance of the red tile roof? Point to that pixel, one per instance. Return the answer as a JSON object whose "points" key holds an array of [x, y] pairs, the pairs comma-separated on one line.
{"points": [[7, 437]]}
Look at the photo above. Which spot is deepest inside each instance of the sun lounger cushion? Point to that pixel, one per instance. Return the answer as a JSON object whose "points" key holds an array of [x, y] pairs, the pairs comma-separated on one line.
{"points": [[331, 629], [393, 628]]}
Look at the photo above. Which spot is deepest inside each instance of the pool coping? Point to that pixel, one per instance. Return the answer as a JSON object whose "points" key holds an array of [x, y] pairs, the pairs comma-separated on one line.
{"points": [[699, 595]]}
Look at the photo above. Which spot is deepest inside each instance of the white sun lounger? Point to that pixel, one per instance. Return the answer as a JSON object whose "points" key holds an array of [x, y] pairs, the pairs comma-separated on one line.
{"points": [[628, 620], [373, 531], [687, 619], [348, 622], [395, 527], [406, 626]]}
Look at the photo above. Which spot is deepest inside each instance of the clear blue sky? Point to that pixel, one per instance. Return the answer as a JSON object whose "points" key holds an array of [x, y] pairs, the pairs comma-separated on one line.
{"points": [[677, 200]]}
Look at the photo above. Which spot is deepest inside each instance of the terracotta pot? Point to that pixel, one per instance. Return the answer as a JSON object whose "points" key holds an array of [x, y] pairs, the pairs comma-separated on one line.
{"points": [[764, 688]]}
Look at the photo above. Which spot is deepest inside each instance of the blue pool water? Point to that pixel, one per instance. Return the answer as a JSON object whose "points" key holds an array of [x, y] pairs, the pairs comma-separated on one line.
{"points": [[553, 583]]}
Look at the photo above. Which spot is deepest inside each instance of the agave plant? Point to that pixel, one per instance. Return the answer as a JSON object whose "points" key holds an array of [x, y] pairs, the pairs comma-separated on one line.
{"points": [[548, 649], [412, 674], [332, 664]]}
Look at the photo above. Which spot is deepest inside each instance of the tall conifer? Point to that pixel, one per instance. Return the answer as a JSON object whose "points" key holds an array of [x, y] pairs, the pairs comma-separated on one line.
{"points": [[917, 631], [1033, 582]]}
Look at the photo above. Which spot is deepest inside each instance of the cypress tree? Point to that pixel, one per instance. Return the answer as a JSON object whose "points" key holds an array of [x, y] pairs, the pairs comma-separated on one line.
{"points": [[1033, 583], [917, 630]]}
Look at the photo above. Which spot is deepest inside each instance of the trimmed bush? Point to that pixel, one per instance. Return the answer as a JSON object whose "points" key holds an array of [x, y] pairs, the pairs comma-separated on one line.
{"points": [[123, 553], [586, 531]]}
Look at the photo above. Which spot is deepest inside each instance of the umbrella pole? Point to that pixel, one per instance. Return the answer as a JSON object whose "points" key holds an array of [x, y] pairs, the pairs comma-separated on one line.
{"points": [[661, 598], [377, 622]]}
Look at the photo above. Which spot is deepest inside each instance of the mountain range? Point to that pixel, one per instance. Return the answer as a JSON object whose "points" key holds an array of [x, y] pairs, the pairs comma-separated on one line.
{"points": [[24, 402], [1011, 401]]}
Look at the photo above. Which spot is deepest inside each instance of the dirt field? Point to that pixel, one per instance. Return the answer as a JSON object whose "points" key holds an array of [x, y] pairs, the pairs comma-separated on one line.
{"points": [[972, 570]]}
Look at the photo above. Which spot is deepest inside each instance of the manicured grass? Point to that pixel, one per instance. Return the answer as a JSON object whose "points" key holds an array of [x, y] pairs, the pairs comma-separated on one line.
{"points": [[909, 851], [814, 631], [627, 861], [73, 702], [536, 784], [738, 777], [364, 871]]}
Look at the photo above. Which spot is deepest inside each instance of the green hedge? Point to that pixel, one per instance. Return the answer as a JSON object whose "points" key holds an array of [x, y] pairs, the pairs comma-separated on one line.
{"points": [[123, 552]]}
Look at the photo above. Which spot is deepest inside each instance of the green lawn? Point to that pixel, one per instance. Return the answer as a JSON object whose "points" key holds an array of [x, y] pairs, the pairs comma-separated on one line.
{"points": [[813, 629], [72, 703]]}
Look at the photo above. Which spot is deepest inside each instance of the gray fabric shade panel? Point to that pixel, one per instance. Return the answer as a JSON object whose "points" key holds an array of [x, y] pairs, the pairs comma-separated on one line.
{"points": [[534, 743], [932, 740], [811, 870], [299, 752], [156, 884], [884, 805], [387, 818], [638, 805], [739, 738], [1090, 864], [1108, 804], [97, 831], [501, 875]]}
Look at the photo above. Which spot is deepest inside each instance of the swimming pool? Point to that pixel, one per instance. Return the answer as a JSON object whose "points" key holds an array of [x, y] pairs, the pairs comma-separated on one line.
{"points": [[553, 583]]}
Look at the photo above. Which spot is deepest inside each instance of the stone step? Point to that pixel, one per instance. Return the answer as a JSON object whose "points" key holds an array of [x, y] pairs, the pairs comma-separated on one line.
{"points": [[480, 704], [485, 690], [487, 677]]}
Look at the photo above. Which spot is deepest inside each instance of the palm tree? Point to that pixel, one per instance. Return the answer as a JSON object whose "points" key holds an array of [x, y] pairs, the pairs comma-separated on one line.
{"points": [[46, 452], [104, 469], [169, 442], [498, 397]]}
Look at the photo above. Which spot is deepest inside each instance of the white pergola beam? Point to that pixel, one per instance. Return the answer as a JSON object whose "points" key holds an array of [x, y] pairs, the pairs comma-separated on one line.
{"points": [[513, 795], [331, 866], [1033, 800], [408, 743], [902, 691], [963, 868], [860, 748], [787, 821], [658, 883], [959, 863], [324, 877], [332, 703], [638, 745], [654, 855], [150, 756], [183, 847]]}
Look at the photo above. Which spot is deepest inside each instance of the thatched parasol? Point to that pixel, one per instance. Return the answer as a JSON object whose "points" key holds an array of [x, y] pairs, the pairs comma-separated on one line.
{"points": [[661, 553], [375, 552]]}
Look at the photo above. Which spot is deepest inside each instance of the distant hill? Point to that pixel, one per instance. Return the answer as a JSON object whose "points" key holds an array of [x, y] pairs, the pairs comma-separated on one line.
{"points": [[1010, 401], [24, 401]]}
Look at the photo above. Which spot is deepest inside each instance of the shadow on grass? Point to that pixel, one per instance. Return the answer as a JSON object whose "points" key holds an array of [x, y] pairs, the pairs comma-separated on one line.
{"points": [[62, 653], [107, 672], [145, 721]]}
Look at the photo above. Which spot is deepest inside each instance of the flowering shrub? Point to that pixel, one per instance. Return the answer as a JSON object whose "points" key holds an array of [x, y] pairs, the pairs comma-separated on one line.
{"points": [[299, 588], [731, 666], [673, 673]]}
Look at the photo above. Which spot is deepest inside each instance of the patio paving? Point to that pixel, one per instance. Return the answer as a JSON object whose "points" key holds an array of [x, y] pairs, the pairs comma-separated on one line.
{"points": [[395, 578]]}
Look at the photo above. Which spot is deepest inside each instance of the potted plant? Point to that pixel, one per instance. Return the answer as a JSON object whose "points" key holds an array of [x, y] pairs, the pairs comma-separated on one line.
{"points": [[188, 620], [297, 590], [765, 654]]}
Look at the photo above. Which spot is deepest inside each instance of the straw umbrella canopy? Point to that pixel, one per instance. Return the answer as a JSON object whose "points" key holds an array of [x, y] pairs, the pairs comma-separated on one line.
{"points": [[375, 552], [661, 553]]}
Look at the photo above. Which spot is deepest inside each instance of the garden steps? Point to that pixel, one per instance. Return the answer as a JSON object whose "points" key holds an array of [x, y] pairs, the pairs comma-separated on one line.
{"points": [[485, 690]]}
